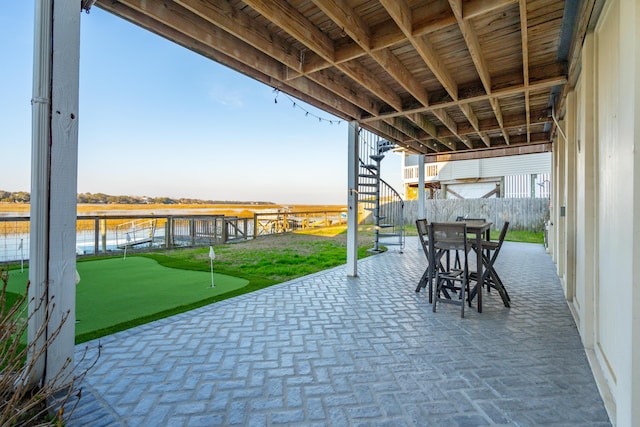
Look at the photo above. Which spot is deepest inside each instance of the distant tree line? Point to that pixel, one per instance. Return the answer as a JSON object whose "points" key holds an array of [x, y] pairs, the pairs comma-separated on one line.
{"points": [[105, 199]]}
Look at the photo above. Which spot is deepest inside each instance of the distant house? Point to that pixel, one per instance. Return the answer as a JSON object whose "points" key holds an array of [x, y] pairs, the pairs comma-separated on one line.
{"points": [[522, 176]]}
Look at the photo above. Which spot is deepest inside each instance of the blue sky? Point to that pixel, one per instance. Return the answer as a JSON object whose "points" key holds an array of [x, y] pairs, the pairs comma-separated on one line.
{"points": [[159, 120]]}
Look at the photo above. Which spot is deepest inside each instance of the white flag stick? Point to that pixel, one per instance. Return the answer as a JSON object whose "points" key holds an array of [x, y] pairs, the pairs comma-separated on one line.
{"points": [[126, 244], [212, 256]]}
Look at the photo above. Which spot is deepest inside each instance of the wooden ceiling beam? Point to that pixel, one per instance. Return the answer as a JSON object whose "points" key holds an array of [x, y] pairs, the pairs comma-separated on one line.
{"points": [[495, 104], [343, 90], [403, 126], [399, 72], [222, 14], [425, 124], [473, 45], [361, 75], [471, 117], [450, 124], [475, 8], [423, 28], [515, 123], [400, 12], [385, 130], [346, 18], [392, 132], [525, 60], [541, 147], [544, 84], [415, 140], [511, 122], [382, 36], [294, 23]]}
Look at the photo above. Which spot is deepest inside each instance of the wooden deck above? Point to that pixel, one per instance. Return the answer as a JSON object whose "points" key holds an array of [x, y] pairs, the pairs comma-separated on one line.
{"points": [[435, 76]]}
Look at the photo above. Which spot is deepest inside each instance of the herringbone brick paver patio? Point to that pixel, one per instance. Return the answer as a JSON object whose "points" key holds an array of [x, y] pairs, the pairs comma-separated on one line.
{"points": [[327, 350]]}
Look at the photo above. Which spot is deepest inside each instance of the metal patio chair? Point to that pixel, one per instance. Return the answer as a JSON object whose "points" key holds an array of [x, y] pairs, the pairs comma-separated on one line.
{"points": [[490, 278], [465, 219], [427, 277], [451, 285]]}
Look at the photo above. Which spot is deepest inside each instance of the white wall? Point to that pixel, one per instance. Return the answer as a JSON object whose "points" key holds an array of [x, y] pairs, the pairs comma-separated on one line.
{"points": [[538, 163], [597, 178], [495, 167]]}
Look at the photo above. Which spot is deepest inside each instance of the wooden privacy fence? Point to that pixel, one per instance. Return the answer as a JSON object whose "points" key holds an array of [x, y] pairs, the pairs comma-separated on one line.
{"points": [[523, 214]]}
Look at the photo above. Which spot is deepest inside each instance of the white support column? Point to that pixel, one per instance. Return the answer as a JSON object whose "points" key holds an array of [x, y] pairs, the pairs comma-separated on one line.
{"points": [[588, 178], [352, 200], [628, 387], [54, 186], [570, 195], [559, 208], [421, 213]]}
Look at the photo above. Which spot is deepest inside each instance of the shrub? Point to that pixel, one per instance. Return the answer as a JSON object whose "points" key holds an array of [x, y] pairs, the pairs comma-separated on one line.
{"points": [[21, 402]]}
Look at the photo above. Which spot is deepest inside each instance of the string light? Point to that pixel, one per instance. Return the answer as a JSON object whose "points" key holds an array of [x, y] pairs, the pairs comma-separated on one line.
{"points": [[307, 113]]}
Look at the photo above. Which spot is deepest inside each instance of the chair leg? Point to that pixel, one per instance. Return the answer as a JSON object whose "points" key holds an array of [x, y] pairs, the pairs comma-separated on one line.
{"points": [[430, 286], [423, 281], [463, 287], [500, 287], [436, 291]]}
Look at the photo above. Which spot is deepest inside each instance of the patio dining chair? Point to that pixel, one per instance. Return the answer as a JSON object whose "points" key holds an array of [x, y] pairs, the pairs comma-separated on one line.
{"points": [[490, 278], [451, 284], [422, 227], [465, 219]]}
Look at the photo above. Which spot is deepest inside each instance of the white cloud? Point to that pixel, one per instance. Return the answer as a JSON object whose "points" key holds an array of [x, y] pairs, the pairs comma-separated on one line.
{"points": [[226, 97]]}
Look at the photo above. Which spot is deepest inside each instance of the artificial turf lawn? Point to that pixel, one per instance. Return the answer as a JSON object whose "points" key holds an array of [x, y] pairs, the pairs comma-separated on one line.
{"points": [[115, 294]]}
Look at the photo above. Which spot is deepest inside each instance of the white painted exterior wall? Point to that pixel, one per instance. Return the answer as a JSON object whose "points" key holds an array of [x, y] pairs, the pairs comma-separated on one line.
{"points": [[487, 172], [597, 178], [539, 163]]}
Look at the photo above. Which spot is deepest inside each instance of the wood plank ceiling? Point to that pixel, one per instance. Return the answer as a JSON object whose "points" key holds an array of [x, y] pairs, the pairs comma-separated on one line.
{"points": [[434, 76]]}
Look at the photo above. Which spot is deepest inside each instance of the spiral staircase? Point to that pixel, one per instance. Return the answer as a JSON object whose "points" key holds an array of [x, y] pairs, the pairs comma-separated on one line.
{"points": [[383, 203]]}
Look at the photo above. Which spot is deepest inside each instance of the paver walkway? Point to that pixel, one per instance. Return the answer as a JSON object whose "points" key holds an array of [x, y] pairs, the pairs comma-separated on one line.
{"points": [[368, 351]]}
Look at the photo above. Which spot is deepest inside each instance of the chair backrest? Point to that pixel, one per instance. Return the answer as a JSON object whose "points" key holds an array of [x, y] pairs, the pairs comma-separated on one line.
{"points": [[503, 233], [448, 235], [423, 233]]}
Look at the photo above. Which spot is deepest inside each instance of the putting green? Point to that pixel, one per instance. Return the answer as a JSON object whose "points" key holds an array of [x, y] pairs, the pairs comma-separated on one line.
{"points": [[117, 291]]}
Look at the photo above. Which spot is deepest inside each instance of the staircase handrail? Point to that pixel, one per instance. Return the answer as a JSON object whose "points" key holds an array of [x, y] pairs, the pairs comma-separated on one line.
{"points": [[400, 199], [389, 186]]}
